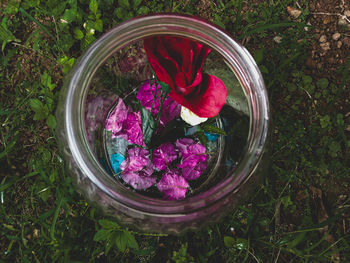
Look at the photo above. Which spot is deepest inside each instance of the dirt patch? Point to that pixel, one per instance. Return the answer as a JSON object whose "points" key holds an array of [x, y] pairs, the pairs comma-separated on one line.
{"points": [[330, 48]]}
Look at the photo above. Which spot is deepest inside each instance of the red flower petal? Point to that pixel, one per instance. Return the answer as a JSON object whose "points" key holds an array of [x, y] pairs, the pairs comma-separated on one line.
{"points": [[208, 99], [178, 62]]}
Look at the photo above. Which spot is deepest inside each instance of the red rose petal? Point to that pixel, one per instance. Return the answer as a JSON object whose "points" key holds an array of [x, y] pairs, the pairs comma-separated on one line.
{"points": [[178, 62], [208, 100]]}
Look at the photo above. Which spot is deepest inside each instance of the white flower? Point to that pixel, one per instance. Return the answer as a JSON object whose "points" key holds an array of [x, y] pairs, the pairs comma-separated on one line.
{"points": [[191, 118]]}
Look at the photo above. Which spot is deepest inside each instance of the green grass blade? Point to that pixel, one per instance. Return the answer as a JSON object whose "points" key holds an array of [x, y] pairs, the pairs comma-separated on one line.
{"points": [[25, 13], [55, 217], [262, 28]]}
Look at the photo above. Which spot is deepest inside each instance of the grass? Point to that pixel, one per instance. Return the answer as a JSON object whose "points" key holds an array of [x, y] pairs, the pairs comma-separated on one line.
{"points": [[299, 214]]}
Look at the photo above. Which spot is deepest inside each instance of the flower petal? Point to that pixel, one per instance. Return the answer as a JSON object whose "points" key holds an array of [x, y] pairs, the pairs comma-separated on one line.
{"points": [[132, 128], [172, 185], [191, 118], [115, 120], [182, 145], [193, 165], [139, 180], [137, 158], [164, 155], [177, 61], [170, 110], [208, 100]]}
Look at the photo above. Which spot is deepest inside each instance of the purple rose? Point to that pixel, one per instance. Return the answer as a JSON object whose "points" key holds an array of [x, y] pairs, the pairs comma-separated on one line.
{"points": [[164, 155], [173, 185]]}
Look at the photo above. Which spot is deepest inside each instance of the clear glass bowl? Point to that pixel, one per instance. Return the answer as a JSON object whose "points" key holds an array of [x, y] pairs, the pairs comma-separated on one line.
{"points": [[89, 94]]}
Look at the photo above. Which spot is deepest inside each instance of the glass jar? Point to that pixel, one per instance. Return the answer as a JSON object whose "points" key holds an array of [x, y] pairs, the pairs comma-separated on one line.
{"points": [[76, 135]]}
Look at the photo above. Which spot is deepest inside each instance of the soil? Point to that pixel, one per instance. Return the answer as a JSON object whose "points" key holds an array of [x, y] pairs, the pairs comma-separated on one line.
{"points": [[331, 45]]}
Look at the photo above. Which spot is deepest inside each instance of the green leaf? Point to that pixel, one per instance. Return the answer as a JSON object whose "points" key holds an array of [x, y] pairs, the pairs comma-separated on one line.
{"points": [[259, 55], [109, 245], [218, 21], [30, 3], [322, 83], [66, 41], [6, 35], [229, 241], [263, 69], [36, 105], [148, 125], [213, 129], [93, 6], [12, 7], [98, 25], [124, 3], [67, 63], [130, 239], [259, 28], [299, 238], [56, 7], [78, 34], [121, 240], [306, 79], [87, 41], [202, 138], [51, 121], [137, 3], [340, 119], [121, 13], [45, 80], [325, 121], [69, 15], [143, 10], [108, 224], [334, 148], [310, 88], [102, 234], [40, 115], [44, 194], [241, 243]]}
